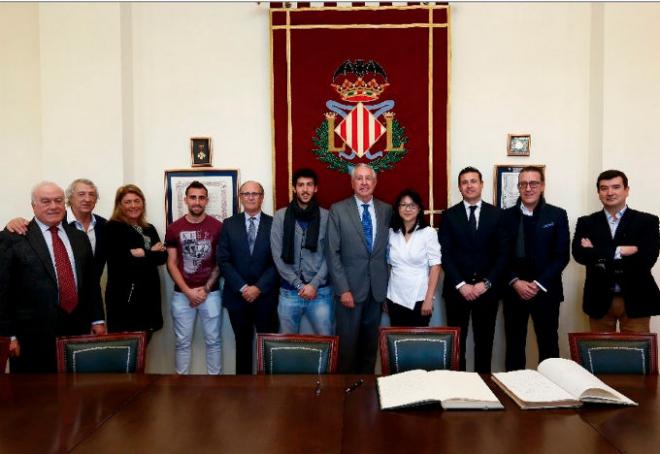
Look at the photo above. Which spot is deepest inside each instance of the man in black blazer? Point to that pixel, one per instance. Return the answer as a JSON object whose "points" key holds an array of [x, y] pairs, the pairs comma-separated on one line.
{"points": [[48, 284], [618, 246], [473, 257], [251, 280], [81, 197], [539, 252]]}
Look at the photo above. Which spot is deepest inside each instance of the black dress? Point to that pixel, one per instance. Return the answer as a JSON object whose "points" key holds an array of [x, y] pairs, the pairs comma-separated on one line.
{"points": [[132, 295]]}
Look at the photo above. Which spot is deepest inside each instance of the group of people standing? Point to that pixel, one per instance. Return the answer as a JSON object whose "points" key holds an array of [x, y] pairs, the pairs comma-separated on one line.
{"points": [[340, 268]]}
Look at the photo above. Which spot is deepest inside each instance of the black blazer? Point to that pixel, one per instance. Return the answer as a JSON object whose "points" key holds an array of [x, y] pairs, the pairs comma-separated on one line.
{"points": [[468, 256], [28, 285], [132, 294], [550, 246], [100, 253], [633, 273], [239, 267]]}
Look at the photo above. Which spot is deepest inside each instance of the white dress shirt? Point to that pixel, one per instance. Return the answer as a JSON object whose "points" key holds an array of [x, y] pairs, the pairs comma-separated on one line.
{"points": [[91, 231], [410, 261]]}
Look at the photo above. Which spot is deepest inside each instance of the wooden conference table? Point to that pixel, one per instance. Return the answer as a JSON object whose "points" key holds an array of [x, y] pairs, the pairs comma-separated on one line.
{"points": [[272, 414]]}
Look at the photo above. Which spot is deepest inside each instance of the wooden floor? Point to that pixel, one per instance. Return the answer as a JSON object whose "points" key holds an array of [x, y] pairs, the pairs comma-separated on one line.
{"points": [[273, 414]]}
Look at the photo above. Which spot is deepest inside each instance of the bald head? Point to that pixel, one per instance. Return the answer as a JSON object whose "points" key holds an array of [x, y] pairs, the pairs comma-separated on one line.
{"points": [[48, 203]]}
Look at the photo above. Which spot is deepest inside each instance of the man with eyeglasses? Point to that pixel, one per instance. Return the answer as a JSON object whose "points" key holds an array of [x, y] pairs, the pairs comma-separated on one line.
{"points": [[81, 197], [618, 245], [298, 245], [474, 251], [538, 254], [251, 280], [191, 243]]}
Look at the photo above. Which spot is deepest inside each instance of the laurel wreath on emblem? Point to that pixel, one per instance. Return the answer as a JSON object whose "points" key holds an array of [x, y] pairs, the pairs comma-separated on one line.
{"points": [[335, 163]]}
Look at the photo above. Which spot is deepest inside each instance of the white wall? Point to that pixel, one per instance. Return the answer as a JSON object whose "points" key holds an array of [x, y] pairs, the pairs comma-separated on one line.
{"points": [[20, 107], [113, 92], [631, 103]]}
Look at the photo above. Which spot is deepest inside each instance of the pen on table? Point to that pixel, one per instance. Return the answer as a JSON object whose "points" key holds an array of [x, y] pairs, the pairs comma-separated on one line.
{"points": [[354, 386], [317, 390]]}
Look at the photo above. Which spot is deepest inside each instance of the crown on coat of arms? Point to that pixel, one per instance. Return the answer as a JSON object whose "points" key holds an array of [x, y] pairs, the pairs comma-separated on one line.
{"points": [[359, 81]]}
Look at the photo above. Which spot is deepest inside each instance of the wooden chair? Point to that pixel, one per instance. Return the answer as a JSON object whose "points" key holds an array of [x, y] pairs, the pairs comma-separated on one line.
{"points": [[428, 348], [4, 353], [117, 352], [615, 353], [296, 354]]}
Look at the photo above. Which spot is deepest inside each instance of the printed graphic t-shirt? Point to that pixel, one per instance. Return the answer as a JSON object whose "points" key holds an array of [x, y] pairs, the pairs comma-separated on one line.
{"points": [[195, 245]]}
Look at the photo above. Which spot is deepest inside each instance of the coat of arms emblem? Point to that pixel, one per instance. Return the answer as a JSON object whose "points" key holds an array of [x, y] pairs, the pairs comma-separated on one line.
{"points": [[366, 125]]}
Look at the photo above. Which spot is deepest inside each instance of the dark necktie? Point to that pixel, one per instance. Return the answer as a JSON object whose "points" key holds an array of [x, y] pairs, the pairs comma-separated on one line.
{"points": [[252, 233], [65, 280], [367, 227], [472, 220]]}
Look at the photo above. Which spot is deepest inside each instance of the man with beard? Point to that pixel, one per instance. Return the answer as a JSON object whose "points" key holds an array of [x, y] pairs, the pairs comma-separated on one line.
{"points": [[191, 244], [297, 240]]}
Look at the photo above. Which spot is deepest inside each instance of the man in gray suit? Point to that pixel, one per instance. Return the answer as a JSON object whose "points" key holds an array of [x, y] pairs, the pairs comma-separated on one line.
{"points": [[357, 242]]}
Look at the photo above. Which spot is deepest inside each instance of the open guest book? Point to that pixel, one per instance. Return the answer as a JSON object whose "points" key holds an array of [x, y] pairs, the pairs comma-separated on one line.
{"points": [[557, 383], [451, 389]]}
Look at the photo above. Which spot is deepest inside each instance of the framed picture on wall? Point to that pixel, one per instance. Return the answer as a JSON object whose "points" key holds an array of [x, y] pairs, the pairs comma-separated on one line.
{"points": [[518, 144], [506, 184], [201, 152], [221, 184]]}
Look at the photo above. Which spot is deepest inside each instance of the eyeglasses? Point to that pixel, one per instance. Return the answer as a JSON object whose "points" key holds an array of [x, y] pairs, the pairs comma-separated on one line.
{"points": [[408, 206], [249, 195], [531, 184]]}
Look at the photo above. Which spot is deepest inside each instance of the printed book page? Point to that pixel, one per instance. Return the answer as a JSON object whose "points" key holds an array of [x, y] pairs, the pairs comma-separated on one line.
{"points": [[580, 382], [530, 389], [452, 389], [463, 390], [406, 388]]}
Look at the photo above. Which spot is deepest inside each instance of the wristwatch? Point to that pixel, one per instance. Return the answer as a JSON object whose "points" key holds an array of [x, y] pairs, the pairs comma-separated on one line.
{"points": [[487, 284]]}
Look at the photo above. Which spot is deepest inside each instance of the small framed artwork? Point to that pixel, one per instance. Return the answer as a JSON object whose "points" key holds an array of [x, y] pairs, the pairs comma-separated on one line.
{"points": [[506, 184], [518, 144], [201, 152], [221, 184]]}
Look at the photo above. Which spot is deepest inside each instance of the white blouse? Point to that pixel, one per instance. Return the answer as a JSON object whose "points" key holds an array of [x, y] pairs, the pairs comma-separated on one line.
{"points": [[410, 261]]}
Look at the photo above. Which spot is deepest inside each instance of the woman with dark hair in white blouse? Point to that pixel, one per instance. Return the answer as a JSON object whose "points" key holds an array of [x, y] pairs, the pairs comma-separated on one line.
{"points": [[414, 257]]}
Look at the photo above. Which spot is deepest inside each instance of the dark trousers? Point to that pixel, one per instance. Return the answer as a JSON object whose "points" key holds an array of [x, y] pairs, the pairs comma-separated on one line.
{"points": [[244, 319], [38, 355], [545, 317], [484, 314], [357, 329], [402, 316], [38, 351]]}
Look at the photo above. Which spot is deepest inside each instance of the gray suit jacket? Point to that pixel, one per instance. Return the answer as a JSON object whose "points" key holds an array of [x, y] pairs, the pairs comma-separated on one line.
{"points": [[350, 265]]}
